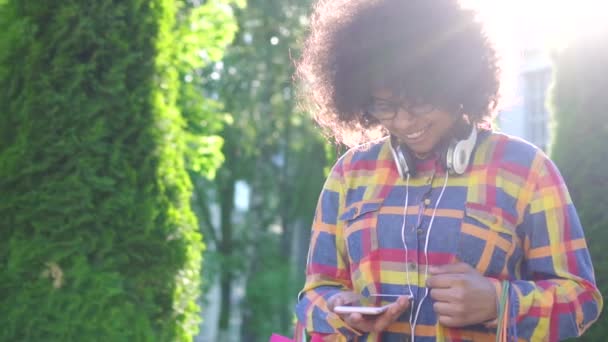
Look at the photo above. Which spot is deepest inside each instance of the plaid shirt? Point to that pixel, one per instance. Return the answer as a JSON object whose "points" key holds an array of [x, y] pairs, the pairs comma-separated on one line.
{"points": [[510, 216]]}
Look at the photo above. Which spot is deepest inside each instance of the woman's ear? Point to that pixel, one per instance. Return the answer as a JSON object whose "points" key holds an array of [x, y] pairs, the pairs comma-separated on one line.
{"points": [[462, 127]]}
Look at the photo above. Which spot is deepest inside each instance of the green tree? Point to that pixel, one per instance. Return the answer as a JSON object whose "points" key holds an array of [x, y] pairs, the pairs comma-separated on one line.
{"points": [[581, 115], [97, 238], [274, 148]]}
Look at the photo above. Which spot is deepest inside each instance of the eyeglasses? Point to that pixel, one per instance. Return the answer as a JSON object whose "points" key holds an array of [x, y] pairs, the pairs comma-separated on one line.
{"points": [[385, 110]]}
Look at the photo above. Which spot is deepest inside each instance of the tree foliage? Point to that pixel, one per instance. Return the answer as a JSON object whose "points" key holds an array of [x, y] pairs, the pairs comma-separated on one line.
{"points": [[203, 32], [272, 147], [97, 239], [581, 132]]}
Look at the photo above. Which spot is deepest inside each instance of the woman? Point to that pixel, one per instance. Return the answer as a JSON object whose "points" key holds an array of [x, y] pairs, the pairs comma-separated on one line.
{"points": [[466, 232]]}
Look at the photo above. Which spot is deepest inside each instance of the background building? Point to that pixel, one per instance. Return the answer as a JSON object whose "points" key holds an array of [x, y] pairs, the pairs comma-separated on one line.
{"points": [[524, 112]]}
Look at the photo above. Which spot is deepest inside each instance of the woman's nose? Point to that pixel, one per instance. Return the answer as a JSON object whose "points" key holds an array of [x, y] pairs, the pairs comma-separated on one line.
{"points": [[403, 119]]}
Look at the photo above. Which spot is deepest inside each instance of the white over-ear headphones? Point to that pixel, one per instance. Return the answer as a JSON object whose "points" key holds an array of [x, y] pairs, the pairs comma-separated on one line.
{"points": [[458, 154], [403, 159], [456, 158]]}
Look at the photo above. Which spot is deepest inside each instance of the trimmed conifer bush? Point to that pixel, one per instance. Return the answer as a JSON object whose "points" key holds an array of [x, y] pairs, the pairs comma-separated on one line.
{"points": [[97, 239], [581, 115]]}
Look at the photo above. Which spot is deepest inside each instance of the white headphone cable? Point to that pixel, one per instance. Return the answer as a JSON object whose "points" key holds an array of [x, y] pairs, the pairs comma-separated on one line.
{"points": [[407, 273], [426, 257]]}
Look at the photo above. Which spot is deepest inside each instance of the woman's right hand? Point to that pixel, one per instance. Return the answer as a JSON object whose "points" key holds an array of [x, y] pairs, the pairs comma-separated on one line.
{"points": [[368, 323]]}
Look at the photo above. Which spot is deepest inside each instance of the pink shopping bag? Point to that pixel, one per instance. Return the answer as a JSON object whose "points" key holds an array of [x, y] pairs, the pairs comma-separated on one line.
{"points": [[279, 338]]}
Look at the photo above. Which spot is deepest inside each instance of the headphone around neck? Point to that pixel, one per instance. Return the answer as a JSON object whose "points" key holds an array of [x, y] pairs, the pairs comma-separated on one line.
{"points": [[455, 156]]}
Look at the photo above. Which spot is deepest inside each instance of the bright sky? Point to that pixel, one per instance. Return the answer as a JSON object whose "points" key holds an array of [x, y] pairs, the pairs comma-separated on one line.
{"points": [[547, 22]]}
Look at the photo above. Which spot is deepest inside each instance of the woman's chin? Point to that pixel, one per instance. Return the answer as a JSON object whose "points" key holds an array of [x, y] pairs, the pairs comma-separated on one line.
{"points": [[421, 151]]}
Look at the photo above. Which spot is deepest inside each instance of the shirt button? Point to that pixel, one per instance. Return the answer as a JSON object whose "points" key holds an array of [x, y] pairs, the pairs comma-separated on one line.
{"points": [[420, 231], [411, 266], [427, 202]]}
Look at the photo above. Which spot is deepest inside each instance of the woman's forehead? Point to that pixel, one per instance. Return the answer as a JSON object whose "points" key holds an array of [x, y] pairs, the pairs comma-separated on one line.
{"points": [[385, 94]]}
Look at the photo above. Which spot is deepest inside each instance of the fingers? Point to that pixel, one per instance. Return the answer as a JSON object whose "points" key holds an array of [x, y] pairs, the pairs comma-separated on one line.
{"points": [[342, 298], [448, 309], [462, 299], [376, 323], [448, 306], [458, 267], [453, 315], [449, 321], [444, 281], [452, 295], [400, 306], [392, 314]]}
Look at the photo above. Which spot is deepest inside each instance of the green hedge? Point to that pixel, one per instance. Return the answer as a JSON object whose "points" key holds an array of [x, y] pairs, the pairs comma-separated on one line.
{"points": [[97, 239], [581, 115]]}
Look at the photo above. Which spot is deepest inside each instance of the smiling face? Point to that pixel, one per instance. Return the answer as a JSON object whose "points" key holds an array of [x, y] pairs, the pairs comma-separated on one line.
{"points": [[420, 127]]}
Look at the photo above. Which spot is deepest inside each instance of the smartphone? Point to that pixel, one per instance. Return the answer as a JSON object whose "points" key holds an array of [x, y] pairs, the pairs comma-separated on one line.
{"points": [[364, 310]]}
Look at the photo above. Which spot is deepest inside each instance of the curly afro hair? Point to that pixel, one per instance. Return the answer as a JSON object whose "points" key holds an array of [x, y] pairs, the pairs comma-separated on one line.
{"points": [[432, 51]]}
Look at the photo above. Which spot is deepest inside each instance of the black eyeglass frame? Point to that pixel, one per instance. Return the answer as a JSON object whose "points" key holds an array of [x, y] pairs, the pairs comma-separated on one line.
{"points": [[392, 107]]}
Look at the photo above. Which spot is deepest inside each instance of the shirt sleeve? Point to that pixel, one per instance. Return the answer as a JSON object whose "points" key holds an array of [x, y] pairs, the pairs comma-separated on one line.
{"points": [[327, 270], [559, 298]]}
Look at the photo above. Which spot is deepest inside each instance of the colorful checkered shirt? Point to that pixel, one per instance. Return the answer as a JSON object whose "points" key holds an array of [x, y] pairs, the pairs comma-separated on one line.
{"points": [[510, 216]]}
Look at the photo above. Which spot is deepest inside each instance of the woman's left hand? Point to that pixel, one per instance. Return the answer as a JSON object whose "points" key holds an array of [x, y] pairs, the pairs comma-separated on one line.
{"points": [[462, 295]]}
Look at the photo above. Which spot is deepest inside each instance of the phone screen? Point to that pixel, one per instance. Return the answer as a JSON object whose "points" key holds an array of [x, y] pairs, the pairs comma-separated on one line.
{"points": [[364, 310]]}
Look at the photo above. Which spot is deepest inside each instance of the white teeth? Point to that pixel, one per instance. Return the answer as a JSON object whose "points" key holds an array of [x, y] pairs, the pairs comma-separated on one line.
{"points": [[415, 134]]}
